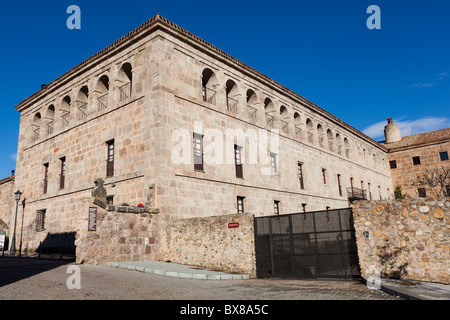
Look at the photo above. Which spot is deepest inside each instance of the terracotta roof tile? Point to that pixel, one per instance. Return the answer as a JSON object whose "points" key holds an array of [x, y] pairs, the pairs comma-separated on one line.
{"points": [[421, 139]]}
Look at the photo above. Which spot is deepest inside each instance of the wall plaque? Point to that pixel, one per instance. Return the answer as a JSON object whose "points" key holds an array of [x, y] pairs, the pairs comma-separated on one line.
{"points": [[92, 220]]}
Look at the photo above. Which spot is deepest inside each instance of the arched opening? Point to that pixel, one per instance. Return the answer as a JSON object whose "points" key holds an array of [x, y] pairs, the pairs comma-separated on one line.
{"points": [[310, 130], [330, 139], [298, 125], [347, 148], [269, 109], [65, 111], [251, 105], [209, 83], [231, 94], [339, 144], [50, 117], [82, 102], [320, 135], [126, 78], [36, 126], [284, 119], [102, 89]]}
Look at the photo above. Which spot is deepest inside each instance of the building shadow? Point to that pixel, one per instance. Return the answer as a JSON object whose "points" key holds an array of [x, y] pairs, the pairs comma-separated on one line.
{"points": [[56, 250]]}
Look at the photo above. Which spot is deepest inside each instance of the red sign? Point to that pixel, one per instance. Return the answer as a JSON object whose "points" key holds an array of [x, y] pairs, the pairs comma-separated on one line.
{"points": [[140, 205], [233, 225]]}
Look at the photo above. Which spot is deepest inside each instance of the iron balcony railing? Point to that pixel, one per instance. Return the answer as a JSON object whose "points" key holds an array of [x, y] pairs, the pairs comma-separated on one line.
{"points": [[356, 194], [103, 102], [232, 104]]}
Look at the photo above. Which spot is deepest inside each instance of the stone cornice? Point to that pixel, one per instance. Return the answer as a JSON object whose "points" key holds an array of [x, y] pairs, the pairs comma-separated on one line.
{"points": [[158, 22]]}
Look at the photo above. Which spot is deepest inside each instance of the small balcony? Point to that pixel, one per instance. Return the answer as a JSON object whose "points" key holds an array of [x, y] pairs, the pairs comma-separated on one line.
{"points": [[356, 194]]}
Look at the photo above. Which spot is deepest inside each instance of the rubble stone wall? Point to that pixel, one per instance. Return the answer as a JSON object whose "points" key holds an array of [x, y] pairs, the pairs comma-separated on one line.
{"points": [[405, 239], [123, 234]]}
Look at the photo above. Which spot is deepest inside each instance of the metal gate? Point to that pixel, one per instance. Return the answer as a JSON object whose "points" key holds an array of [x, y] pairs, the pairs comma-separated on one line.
{"points": [[315, 244]]}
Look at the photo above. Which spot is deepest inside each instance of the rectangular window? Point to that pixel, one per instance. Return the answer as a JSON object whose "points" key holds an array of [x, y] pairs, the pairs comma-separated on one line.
{"points": [[62, 177], [238, 161], [393, 164], [300, 175], [240, 204], [273, 159], [416, 160], [304, 207], [198, 152], [110, 159], [324, 176], [422, 192], [45, 177], [447, 189], [40, 220], [444, 156], [276, 207], [339, 184]]}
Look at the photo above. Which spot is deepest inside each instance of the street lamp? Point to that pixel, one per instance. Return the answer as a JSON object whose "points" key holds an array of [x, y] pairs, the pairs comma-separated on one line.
{"points": [[17, 196]]}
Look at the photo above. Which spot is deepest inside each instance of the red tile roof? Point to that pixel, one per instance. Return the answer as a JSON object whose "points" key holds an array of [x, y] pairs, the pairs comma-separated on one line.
{"points": [[421, 139]]}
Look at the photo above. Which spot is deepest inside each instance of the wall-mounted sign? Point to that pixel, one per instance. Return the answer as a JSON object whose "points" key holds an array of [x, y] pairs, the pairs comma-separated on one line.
{"points": [[233, 225], [2, 239], [92, 220], [140, 205]]}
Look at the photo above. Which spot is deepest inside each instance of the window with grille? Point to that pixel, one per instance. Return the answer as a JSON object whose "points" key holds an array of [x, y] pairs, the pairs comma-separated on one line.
{"points": [[273, 160], [40, 220], [416, 160], [62, 177], [240, 204], [300, 174], [238, 161], [45, 177], [276, 207], [110, 159], [444, 156], [198, 152]]}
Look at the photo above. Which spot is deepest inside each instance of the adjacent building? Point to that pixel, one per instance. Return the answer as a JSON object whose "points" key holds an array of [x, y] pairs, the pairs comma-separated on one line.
{"points": [[416, 155], [170, 121]]}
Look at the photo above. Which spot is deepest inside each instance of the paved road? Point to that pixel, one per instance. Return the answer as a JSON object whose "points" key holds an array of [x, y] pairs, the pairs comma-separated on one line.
{"points": [[47, 280]]}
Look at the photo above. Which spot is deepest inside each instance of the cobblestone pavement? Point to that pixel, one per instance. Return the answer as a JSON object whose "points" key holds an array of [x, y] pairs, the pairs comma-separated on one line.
{"points": [[28, 279]]}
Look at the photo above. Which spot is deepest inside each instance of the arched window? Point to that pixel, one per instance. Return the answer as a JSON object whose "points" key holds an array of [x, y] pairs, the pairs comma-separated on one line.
{"points": [[231, 93], [65, 111], [310, 130], [298, 125], [338, 144], [209, 83], [330, 139], [50, 118], [82, 102], [284, 119], [270, 112], [320, 135], [126, 78], [102, 89], [36, 125], [251, 105], [347, 148]]}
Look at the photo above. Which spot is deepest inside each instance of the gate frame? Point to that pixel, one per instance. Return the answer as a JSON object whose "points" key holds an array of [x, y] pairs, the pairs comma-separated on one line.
{"points": [[316, 254]]}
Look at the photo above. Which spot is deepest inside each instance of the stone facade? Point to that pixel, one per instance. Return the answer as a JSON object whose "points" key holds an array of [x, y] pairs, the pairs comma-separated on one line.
{"points": [[212, 242], [144, 97], [406, 239], [427, 148], [123, 233], [6, 200]]}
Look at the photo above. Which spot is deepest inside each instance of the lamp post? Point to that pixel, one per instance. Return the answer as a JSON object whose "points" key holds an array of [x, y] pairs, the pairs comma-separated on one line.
{"points": [[21, 231], [17, 196]]}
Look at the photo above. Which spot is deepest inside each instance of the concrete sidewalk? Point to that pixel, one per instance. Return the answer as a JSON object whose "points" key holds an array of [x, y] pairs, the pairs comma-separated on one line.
{"points": [[416, 290], [177, 270]]}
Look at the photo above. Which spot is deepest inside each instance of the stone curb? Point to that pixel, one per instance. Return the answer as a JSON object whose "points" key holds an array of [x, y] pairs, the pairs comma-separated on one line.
{"points": [[181, 275]]}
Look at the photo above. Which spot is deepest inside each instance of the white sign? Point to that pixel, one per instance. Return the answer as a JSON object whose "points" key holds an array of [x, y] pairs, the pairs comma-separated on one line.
{"points": [[2, 239]]}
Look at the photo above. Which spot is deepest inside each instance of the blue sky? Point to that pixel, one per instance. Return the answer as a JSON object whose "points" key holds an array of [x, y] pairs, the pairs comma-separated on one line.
{"points": [[320, 49]]}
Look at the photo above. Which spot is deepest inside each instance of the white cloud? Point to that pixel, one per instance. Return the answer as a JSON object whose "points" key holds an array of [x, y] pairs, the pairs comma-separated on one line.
{"points": [[432, 82], [13, 156], [408, 127]]}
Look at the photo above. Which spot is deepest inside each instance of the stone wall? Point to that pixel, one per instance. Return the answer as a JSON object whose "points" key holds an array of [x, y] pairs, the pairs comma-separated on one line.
{"points": [[210, 242], [123, 234], [407, 239]]}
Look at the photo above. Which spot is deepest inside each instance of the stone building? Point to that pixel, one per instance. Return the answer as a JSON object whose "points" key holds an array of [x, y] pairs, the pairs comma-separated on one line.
{"points": [[415, 155], [6, 200], [170, 121]]}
